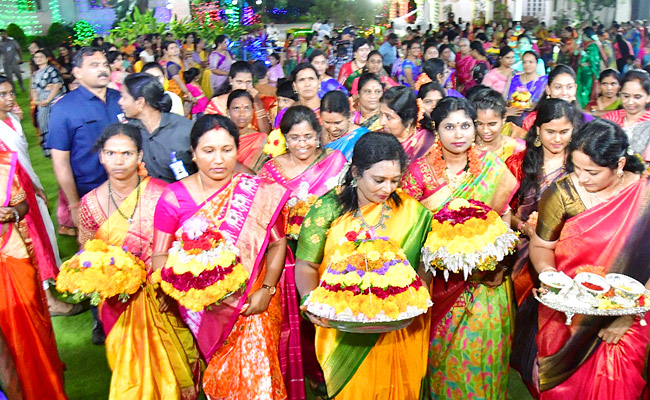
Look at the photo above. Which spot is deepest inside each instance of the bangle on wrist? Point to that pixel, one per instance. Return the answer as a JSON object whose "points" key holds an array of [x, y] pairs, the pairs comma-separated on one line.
{"points": [[548, 269], [16, 215]]}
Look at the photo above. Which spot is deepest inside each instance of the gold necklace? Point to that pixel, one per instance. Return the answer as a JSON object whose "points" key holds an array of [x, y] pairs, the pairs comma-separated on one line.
{"points": [[620, 185]]}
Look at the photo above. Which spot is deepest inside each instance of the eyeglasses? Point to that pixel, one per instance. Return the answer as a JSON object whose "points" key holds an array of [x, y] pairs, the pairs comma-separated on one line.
{"points": [[4, 95]]}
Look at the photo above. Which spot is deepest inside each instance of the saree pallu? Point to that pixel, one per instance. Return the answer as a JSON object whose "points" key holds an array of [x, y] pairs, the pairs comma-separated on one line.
{"points": [[250, 150], [369, 366], [297, 354], [151, 354], [373, 123], [172, 69], [464, 79], [418, 144], [24, 316], [536, 88], [471, 324], [416, 70], [240, 349], [573, 362], [345, 144]]}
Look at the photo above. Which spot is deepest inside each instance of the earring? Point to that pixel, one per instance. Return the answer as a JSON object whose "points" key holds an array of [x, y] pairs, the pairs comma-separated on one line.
{"points": [[537, 142], [354, 182], [619, 173], [193, 158]]}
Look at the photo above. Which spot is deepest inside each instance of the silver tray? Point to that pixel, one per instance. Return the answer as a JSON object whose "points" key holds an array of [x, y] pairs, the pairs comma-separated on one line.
{"points": [[369, 327], [570, 310]]}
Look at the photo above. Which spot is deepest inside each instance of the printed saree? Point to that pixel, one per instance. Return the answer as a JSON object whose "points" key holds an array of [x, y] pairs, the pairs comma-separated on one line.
{"points": [[24, 317], [250, 149], [373, 123], [418, 144], [369, 366], [345, 144], [239, 349], [297, 355], [471, 324], [536, 88], [573, 362], [152, 354]]}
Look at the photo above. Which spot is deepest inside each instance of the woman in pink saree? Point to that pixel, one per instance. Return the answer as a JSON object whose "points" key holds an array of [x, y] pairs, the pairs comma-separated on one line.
{"points": [[239, 337], [598, 216], [308, 171], [399, 117]]}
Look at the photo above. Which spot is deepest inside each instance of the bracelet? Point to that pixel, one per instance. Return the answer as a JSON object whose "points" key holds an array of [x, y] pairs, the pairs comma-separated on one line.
{"points": [[71, 206], [548, 269], [16, 215]]}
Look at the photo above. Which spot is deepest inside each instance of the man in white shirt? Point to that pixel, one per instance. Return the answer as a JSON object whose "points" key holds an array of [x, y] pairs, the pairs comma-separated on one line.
{"points": [[316, 26], [324, 29], [272, 32]]}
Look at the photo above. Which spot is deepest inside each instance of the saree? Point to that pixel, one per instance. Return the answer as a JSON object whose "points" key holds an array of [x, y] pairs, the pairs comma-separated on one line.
{"points": [[297, 354], [369, 366], [239, 349], [151, 354], [24, 316], [250, 151], [510, 145], [471, 324], [416, 70], [217, 60], [38, 224], [329, 85], [345, 144], [615, 105], [536, 87], [587, 74], [418, 144], [464, 65], [171, 70], [373, 123], [573, 361]]}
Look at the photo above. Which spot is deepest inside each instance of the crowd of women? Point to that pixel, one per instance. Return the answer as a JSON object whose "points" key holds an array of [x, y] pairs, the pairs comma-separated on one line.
{"points": [[386, 157]]}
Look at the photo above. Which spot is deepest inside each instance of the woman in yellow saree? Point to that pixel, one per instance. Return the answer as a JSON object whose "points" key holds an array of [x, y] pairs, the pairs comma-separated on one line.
{"points": [[597, 216], [151, 353], [367, 366], [471, 321]]}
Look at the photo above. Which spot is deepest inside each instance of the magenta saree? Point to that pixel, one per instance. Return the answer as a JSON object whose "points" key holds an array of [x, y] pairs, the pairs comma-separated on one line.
{"points": [[418, 144]]}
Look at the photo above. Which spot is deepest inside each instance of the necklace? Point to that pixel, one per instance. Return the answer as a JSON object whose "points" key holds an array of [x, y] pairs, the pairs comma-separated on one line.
{"points": [[454, 180], [137, 200], [620, 185], [380, 224]]}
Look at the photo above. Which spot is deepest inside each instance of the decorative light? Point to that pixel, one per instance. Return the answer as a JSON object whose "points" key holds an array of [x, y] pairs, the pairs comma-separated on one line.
{"points": [[17, 12], [234, 2], [247, 15], [84, 31], [258, 2]]}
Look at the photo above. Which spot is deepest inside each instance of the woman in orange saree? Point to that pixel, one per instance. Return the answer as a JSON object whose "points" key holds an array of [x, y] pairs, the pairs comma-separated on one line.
{"points": [[152, 354], [598, 216], [251, 142], [239, 336], [24, 318]]}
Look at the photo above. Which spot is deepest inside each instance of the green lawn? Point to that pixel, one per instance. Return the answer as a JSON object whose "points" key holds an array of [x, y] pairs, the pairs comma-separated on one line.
{"points": [[87, 375]]}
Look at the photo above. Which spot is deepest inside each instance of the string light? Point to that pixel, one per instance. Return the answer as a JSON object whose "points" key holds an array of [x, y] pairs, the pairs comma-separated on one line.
{"points": [[84, 31], [247, 15], [17, 13], [54, 10]]}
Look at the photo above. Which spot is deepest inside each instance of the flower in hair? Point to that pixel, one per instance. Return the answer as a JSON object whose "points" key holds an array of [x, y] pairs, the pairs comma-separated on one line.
{"points": [[423, 79], [420, 112]]}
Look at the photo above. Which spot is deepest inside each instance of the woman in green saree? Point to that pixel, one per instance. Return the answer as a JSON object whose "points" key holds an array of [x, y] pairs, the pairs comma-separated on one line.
{"points": [[369, 366]]}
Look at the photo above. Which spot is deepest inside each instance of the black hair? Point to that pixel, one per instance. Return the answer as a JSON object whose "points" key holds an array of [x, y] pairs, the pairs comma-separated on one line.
{"points": [[4, 79], [301, 67], [410, 44], [152, 65], [219, 39], [560, 69], [297, 114], [239, 67], [235, 94], [444, 47], [375, 53], [314, 54], [358, 42], [429, 87], [402, 100], [335, 102], [532, 175], [606, 73], [428, 44], [191, 74], [605, 143], [489, 99], [259, 69], [432, 67], [451, 104], [208, 122], [367, 77], [128, 130], [478, 47], [373, 147], [165, 45], [392, 36], [622, 45], [285, 89], [505, 50], [276, 56], [78, 59], [471, 92], [111, 56], [531, 53], [147, 86], [638, 75]]}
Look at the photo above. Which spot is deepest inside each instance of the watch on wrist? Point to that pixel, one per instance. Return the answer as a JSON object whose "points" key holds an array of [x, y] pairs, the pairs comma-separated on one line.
{"points": [[270, 288]]}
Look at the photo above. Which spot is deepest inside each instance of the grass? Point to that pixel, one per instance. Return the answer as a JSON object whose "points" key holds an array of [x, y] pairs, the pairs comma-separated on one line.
{"points": [[87, 376]]}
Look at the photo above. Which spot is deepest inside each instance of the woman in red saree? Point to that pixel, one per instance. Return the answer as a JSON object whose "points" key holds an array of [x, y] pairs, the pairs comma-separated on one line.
{"points": [[399, 117], [24, 317], [308, 172], [239, 337], [251, 142], [596, 215], [152, 354]]}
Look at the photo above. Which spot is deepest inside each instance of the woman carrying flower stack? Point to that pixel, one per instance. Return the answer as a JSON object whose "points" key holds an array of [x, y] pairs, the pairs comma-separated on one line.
{"points": [[596, 215], [387, 365], [239, 336], [151, 353], [471, 320], [307, 171]]}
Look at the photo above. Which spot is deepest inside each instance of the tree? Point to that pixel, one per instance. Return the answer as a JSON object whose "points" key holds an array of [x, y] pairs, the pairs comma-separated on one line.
{"points": [[587, 8], [358, 12], [17, 33]]}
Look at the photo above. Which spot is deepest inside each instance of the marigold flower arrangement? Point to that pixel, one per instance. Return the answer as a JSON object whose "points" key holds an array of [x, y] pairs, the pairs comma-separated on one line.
{"points": [[100, 271], [368, 280], [203, 268], [275, 144], [521, 99], [467, 235]]}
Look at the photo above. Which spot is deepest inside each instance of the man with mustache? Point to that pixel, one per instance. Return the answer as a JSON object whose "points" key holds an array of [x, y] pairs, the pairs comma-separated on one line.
{"points": [[76, 121]]}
